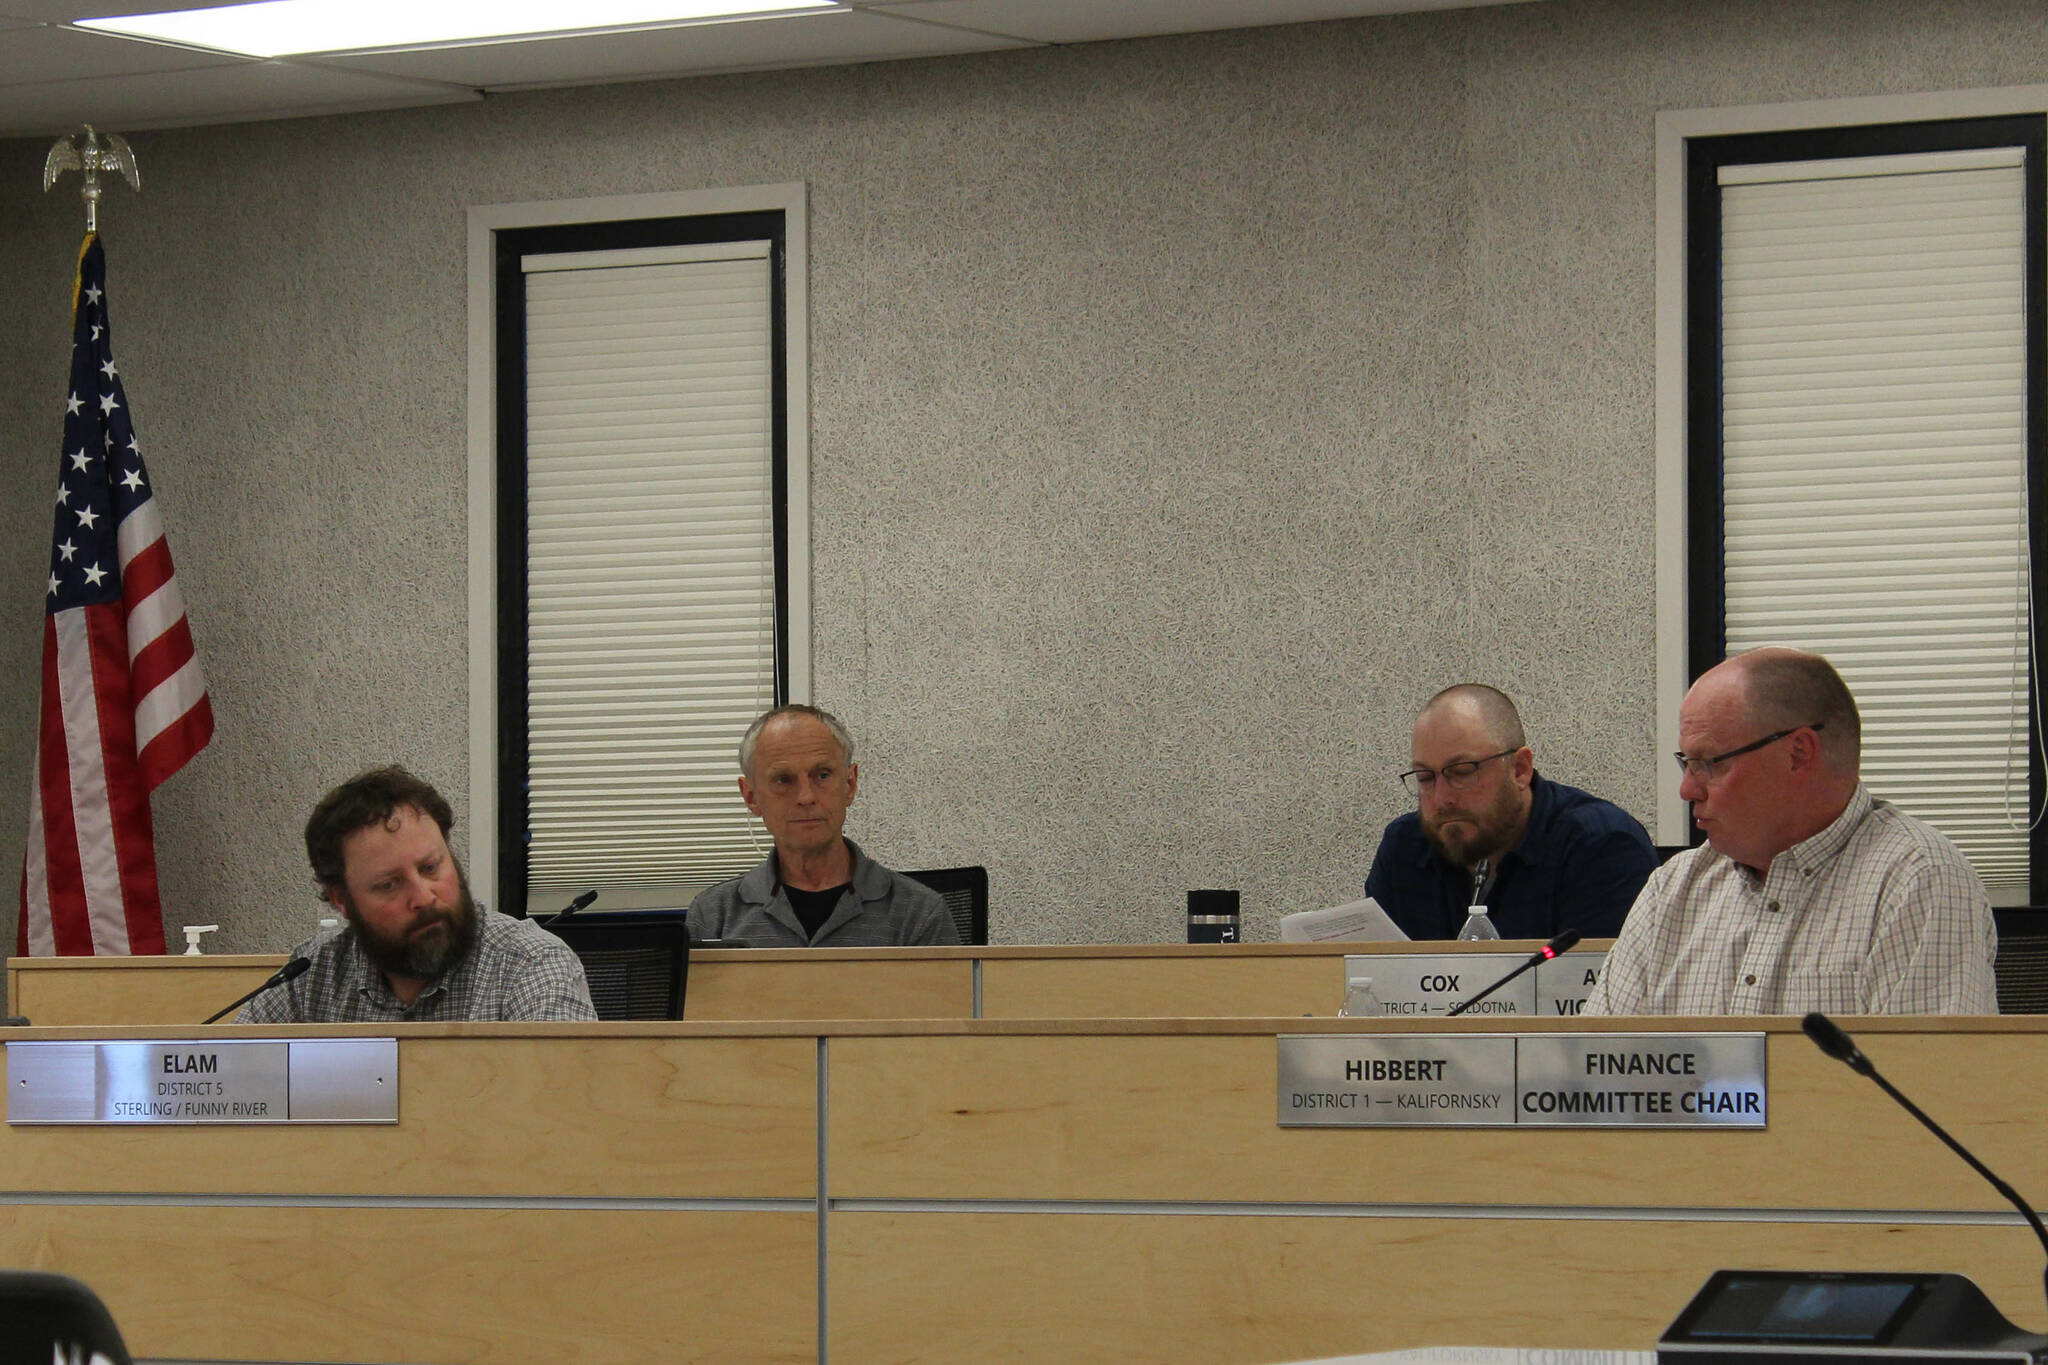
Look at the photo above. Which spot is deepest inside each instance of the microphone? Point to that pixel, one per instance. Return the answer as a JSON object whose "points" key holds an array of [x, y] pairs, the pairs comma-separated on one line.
{"points": [[291, 971], [582, 902], [1562, 944], [1829, 1038], [1827, 1035]]}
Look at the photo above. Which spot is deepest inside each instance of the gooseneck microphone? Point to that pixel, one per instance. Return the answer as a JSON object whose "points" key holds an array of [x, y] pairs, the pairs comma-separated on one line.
{"points": [[291, 971], [1829, 1038], [1558, 946], [582, 902], [1479, 870]]}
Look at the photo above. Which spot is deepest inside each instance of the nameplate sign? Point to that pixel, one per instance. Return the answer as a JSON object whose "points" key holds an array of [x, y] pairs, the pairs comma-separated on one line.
{"points": [[1410, 985], [1641, 1080], [315, 1080], [1563, 983], [1367, 1081], [1607, 1080]]}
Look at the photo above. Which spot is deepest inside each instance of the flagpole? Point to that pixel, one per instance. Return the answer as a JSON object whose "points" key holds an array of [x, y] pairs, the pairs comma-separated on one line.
{"points": [[124, 704], [91, 158]]}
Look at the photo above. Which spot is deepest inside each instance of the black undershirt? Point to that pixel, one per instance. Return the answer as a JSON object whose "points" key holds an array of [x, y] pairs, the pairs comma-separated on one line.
{"points": [[813, 908]]}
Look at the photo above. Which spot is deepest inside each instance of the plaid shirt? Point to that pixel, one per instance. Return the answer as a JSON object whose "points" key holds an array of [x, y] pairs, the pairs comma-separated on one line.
{"points": [[1876, 914], [517, 970]]}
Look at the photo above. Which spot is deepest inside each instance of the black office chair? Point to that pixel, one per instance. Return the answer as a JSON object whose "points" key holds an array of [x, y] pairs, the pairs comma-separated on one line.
{"points": [[47, 1317], [965, 890], [637, 961], [2022, 965]]}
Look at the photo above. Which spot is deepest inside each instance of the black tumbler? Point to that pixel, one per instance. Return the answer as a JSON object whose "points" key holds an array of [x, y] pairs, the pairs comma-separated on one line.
{"points": [[1212, 916]]}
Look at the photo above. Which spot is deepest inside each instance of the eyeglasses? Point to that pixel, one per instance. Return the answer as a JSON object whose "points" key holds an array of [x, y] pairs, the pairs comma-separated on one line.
{"points": [[1456, 776], [1703, 769]]}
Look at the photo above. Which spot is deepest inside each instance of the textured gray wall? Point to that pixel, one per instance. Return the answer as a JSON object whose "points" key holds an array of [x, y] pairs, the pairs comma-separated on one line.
{"points": [[1186, 410]]}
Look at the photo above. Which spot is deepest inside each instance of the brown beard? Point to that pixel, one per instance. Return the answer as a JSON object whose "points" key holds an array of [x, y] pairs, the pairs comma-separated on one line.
{"points": [[1493, 827], [402, 957]]}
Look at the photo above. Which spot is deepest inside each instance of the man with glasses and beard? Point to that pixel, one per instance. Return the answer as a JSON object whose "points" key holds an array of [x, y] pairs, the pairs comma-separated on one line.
{"points": [[1543, 857], [1809, 894], [414, 947]]}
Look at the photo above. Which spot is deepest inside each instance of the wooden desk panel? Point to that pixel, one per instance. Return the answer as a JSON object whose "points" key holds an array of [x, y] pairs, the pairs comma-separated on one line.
{"points": [[137, 992], [1189, 981], [1342, 1240], [1225, 983], [649, 1117], [758, 983], [725, 985], [1088, 1289], [1101, 1115], [449, 1286], [1116, 981]]}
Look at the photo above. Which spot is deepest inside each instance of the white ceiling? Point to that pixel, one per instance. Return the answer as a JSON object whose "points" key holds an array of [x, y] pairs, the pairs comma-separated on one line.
{"points": [[54, 77]]}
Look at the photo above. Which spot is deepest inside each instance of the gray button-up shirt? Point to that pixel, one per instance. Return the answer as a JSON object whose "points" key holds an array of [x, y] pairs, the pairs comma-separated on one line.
{"points": [[880, 909], [516, 971]]}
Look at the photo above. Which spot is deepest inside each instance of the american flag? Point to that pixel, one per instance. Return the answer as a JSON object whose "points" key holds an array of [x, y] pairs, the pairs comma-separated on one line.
{"points": [[124, 705]]}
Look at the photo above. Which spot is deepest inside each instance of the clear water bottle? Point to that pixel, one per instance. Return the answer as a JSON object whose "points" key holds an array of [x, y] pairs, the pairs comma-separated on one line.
{"points": [[1478, 925], [1359, 1000]]}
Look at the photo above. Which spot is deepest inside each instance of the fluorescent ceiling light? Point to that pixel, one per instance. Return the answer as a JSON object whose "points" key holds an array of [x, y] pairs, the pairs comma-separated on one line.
{"points": [[277, 28]]}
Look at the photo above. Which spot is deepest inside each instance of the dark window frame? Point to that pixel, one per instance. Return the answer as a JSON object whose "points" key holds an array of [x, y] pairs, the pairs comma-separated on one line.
{"points": [[508, 246], [1706, 627]]}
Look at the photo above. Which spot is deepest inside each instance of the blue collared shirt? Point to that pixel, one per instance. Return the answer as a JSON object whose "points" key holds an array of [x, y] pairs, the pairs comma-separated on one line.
{"points": [[1579, 865]]}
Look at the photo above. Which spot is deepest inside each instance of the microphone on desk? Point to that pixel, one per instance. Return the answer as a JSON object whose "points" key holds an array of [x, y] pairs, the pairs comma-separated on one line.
{"points": [[290, 971], [582, 902], [1557, 947], [1829, 1038]]}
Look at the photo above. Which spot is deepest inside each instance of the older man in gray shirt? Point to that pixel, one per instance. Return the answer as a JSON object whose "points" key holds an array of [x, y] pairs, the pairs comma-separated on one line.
{"points": [[817, 889]]}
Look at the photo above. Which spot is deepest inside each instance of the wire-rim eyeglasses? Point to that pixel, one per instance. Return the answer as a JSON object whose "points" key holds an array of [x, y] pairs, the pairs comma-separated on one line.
{"points": [[1456, 776], [1703, 768]]}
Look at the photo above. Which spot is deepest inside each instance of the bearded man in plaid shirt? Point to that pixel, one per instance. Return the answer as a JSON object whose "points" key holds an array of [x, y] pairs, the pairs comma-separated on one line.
{"points": [[413, 947]]}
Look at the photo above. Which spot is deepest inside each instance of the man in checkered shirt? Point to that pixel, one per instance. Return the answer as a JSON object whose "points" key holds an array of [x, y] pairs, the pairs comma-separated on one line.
{"points": [[1810, 894], [414, 947]]}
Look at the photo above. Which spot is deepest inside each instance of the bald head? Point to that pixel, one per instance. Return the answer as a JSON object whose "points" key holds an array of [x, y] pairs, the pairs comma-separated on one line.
{"points": [[1498, 720], [1772, 742], [1476, 799], [1784, 688]]}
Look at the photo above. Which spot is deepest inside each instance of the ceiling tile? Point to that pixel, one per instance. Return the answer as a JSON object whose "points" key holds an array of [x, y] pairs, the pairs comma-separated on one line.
{"points": [[51, 77], [65, 11], [61, 54], [228, 94], [1087, 21], [694, 49]]}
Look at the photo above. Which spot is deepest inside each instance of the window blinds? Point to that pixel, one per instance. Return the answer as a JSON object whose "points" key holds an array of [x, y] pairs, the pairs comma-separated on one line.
{"points": [[1874, 424], [651, 566]]}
